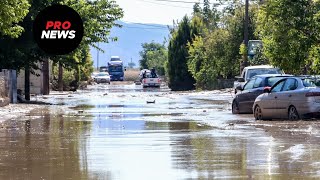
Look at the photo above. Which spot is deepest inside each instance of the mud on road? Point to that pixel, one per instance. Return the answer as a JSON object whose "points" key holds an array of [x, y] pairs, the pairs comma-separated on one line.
{"points": [[122, 131]]}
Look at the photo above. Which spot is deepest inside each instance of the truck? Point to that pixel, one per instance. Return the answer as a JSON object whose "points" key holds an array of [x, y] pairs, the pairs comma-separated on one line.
{"points": [[148, 79], [115, 69], [250, 71]]}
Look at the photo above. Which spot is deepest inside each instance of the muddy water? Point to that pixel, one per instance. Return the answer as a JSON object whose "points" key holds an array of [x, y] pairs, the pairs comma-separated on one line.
{"points": [[126, 132]]}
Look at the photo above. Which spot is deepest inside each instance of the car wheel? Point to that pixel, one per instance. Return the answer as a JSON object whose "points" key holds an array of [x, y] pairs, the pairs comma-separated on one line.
{"points": [[293, 113], [258, 113], [235, 107]]}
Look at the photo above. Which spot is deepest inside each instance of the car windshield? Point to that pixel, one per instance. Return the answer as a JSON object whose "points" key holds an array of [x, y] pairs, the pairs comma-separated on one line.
{"points": [[103, 74], [308, 82], [253, 72], [272, 80], [115, 68]]}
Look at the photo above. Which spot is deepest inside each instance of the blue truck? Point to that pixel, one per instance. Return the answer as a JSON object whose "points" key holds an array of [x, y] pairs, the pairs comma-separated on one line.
{"points": [[115, 69]]}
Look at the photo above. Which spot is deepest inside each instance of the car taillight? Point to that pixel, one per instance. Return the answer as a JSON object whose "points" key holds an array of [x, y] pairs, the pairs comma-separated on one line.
{"points": [[310, 94], [159, 80], [144, 81]]}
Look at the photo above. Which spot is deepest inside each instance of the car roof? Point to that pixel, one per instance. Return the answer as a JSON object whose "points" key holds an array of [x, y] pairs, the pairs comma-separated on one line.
{"points": [[259, 67], [274, 75]]}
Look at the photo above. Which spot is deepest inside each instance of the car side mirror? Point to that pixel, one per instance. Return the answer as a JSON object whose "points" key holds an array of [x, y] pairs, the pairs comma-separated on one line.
{"points": [[266, 89], [240, 79], [239, 87]]}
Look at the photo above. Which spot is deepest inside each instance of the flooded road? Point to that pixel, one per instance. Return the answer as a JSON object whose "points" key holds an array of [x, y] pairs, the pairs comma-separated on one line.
{"points": [[126, 132]]}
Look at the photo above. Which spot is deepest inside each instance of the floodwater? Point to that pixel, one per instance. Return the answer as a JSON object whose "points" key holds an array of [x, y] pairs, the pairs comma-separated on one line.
{"points": [[126, 132]]}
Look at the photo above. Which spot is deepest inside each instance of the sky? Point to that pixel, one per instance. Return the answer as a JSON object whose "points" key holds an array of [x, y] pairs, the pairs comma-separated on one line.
{"points": [[155, 11]]}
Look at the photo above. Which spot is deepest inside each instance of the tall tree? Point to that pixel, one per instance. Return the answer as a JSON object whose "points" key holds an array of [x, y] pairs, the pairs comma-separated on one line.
{"points": [[179, 75], [286, 28], [11, 13]]}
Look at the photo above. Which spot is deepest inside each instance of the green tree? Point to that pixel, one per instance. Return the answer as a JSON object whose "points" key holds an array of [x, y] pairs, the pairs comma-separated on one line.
{"points": [[148, 57], [98, 17], [11, 13], [179, 76], [156, 59], [288, 33]]}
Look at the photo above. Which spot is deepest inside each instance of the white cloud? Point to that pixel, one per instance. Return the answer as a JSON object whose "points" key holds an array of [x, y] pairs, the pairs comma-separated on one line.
{"points": [[150, 11]]}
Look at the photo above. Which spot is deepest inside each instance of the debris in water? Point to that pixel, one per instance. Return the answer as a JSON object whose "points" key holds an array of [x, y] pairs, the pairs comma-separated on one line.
{"points": [[149, 102]]}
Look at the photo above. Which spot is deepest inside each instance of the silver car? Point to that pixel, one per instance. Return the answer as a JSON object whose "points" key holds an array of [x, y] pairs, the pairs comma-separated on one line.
{"points": [[102, 77], [291, 98]]}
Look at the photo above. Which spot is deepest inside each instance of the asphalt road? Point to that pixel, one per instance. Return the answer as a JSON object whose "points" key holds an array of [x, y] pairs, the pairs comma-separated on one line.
{"points": [[122, 131]]}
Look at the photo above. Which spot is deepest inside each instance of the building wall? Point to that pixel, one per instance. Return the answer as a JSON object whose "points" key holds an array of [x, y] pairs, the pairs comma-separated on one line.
{"points": [[36, 82], [4, 88]]}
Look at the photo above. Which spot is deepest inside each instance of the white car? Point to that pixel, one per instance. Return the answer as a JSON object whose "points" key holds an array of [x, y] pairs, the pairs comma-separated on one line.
{"points": [[102, 77], [93, 75]]}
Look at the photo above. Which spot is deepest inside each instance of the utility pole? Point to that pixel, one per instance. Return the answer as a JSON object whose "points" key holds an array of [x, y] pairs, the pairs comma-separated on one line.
{"points": [[244, 62], [98, 58], [246, 23]]}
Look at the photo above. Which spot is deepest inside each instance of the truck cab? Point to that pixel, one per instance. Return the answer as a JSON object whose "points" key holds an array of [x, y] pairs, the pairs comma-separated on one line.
{"points": [[250, 71]]}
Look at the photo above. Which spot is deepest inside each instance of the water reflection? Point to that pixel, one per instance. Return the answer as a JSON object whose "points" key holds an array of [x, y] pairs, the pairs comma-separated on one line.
{"points": [[45, 148], [114, 138]]}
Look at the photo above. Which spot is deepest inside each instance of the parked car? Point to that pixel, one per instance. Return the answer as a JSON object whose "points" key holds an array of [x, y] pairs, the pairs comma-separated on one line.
{"points": [[250, 71], [290, 98], [102, 77], [244, 99]]}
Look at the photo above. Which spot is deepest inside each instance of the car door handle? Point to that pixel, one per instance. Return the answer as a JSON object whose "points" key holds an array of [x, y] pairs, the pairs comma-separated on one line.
{"points": [[275, 97], [290, 95]]}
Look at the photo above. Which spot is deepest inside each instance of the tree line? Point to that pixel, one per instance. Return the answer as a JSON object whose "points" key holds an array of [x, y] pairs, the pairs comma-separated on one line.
{"points": [[208, 45], [18, 49]]}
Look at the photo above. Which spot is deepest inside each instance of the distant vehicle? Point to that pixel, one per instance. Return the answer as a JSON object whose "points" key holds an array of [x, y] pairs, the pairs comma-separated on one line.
{"points": [[103, 69], [102, 77], [250, 71], [291, 98], [93, 75], [244, 99], [148, 79], [115, 69]]}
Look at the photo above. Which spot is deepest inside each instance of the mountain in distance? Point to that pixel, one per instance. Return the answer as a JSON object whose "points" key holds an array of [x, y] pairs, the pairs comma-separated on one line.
{"points": [[130, 37]]}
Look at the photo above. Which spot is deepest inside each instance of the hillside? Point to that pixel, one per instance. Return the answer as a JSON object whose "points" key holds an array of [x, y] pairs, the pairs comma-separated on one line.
{"points": [[130, 38]]}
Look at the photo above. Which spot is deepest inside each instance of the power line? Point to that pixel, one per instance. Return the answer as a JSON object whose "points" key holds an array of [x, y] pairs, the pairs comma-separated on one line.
{"points": [[178, 1], [184, 7]]}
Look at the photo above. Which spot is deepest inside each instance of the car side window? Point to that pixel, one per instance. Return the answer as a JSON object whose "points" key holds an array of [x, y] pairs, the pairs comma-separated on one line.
{"points": [[278, 87], [258, 82], [290, 84], [249, 85]]}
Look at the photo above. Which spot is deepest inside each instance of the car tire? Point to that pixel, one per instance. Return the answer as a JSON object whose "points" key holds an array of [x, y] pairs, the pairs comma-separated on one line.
{"points": [[258, 113], [235, 107], [293, 113]]}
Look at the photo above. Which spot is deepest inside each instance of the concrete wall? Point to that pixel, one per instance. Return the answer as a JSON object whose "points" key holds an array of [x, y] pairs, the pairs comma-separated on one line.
{"points": [[8, 90], [36, 82]]}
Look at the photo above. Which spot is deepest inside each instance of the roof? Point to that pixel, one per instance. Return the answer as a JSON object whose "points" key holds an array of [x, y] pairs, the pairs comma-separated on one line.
{"points": [[274, 75], [259, 67]]}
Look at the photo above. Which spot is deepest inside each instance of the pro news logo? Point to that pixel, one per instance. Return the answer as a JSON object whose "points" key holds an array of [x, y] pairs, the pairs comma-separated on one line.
{"points": [[58, 29]]}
